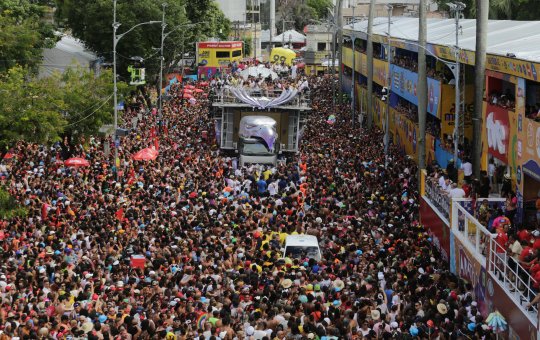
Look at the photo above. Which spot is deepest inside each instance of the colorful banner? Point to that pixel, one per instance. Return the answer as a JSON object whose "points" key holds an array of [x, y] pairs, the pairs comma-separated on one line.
{"points": [[380, 71], [530, 148], [438, 229], [447, 110], [498, 299], [404, 83], [379, 111], [470, 269], [497, 128]]}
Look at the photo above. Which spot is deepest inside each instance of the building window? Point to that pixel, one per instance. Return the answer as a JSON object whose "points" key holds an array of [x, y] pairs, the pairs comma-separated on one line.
{"points": [[237, 53], [321, 46], [223, 54]]}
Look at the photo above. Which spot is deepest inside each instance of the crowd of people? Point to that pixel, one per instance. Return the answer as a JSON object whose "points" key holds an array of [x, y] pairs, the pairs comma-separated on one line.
{"points": [[210, 238]]}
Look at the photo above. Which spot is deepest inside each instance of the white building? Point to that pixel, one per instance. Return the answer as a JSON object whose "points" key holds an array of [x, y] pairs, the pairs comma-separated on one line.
{"points": [[245, 18]]}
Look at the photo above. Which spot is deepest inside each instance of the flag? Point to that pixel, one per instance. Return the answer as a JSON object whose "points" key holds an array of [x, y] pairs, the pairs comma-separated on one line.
{"points": [[156, 143], [201, 319], [44, 211], [119, 214]]}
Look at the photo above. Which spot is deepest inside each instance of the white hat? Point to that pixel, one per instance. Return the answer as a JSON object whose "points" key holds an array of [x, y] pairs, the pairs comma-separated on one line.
{"points": [[250, 330], [318, 220]]}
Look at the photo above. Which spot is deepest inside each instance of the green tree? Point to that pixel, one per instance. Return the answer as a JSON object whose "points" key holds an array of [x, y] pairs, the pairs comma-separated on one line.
{"points": [[298, 12], [87, 99], [31, 111], [247, 45], [501, 9], [9, 207], [320, 6], [23, 33], [91, 21]]}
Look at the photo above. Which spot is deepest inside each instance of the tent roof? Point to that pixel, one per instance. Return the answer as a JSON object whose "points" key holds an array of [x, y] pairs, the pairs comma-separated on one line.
{"points": [[520, 38], [64, 54], [292, 35]]}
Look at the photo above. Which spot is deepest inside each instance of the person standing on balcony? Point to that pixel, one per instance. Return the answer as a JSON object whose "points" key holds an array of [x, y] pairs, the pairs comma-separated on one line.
{"points": [[506, 185], [466, 166], [452, 171]]}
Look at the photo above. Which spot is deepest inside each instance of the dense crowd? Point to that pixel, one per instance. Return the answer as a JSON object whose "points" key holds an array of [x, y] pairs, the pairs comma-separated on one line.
{"points": [[211, 236]]}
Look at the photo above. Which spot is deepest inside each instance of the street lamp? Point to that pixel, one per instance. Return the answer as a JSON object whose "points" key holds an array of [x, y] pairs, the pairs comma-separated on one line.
{"points": [[457, 8], [163, 37], [389, 87], [116, 39]]}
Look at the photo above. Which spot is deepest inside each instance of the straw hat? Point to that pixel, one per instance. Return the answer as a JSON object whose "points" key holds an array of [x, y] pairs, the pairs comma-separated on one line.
{"points": [[441, 307], [287, 283], [375, 314]]}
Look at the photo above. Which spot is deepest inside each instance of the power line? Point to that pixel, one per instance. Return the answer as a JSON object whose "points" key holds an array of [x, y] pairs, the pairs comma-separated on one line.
{"points": [[104, 102]]}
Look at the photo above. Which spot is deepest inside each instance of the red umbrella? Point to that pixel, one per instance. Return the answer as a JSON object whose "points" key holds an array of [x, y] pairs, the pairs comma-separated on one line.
{"points": [[9, 155], [189, 87], [76, 161], [187, 96], [199, 90], [147, 154], [188, 91], [203, 83]]}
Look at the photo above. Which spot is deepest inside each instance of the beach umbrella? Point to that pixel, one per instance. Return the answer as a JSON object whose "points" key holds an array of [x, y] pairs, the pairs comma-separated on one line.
{"points": [[497, 322], [76, 161], [147, 154]]}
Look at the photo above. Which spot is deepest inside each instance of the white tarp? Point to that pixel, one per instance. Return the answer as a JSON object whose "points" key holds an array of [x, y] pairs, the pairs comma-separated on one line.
{"points": [[290, 35], [256, 71], [263, 102]]}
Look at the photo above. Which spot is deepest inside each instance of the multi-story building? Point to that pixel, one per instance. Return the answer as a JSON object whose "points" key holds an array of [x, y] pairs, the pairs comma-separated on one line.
{"points": [[510, 136], [246, 21]]}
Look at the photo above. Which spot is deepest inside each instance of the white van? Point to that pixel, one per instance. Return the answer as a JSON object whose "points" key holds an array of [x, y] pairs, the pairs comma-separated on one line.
{"points": [[302, 246]]}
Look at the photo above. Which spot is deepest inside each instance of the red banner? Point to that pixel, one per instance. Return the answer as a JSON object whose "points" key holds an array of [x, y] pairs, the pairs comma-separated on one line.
{"points": [[220, 44], [440, 232], [497, 125]]}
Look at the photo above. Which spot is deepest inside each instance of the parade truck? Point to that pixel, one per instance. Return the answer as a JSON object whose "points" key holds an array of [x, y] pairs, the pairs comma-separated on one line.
{"points": [[255, 135]]}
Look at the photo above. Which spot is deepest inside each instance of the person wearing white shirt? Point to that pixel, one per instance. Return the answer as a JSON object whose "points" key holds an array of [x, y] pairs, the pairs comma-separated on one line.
{"points": [[467, 169], [456, 192]]}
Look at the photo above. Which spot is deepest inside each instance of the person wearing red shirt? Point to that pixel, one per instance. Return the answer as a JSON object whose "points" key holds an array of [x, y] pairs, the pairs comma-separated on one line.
{"points": [[524, 235]]}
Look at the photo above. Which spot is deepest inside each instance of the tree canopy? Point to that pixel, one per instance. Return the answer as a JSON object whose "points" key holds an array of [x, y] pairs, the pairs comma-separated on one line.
{"points": [[91, 21], [501, 9], [24, 33], [77, 102]]}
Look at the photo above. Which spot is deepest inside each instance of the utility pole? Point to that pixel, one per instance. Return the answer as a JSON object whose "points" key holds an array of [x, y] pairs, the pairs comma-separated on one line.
{"points": [[422, 87], [389, 88], [163, 25], [340, 42], [482, 12], [369, 52], [353, 86], [272, 24], [457, 7], [115, 91]]}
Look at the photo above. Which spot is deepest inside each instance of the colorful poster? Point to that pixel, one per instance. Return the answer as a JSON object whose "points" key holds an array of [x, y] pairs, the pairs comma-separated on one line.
{"points": [[497, 127], [438, 229], [448, 105], [471, 270], [404, 83]]}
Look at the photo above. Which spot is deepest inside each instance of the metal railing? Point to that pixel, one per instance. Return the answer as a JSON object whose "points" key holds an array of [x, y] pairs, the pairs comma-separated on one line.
{"points": [[479, 241], [438, 197], [513, 278], [470, 231]]}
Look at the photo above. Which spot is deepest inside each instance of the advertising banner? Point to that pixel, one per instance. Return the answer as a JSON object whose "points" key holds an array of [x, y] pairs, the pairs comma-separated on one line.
{"points": [[530, 153], [379, 110], [380, 71], [404, 83], [498, 300], [439, 231], [497, 128], [448, 105], [470, 269], [405, 133]]}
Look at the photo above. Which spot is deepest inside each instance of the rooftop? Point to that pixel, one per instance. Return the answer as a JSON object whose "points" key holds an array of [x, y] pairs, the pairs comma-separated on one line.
{"points": [[505, 37]]}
